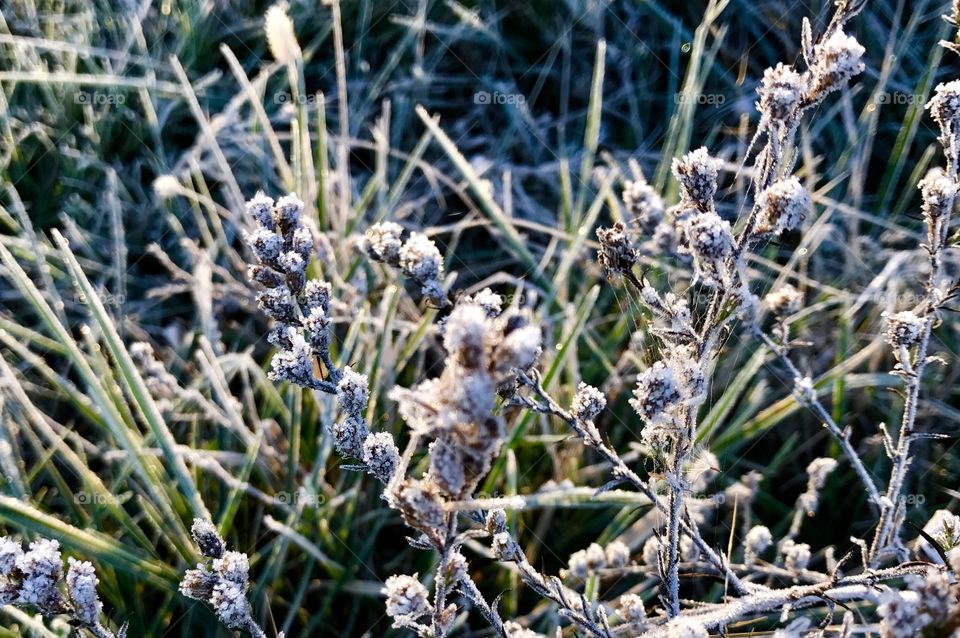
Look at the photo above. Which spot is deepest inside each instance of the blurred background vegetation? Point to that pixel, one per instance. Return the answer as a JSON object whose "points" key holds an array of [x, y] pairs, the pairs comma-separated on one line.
{"points": [[101, 98]]}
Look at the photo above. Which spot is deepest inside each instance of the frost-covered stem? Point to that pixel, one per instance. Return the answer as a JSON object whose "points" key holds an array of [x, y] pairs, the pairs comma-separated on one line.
{"points": [[938, 228], [621, 471], [675, 485], [556, 592], [858, 587], [843, 438], [473, 593], [440, 595]]}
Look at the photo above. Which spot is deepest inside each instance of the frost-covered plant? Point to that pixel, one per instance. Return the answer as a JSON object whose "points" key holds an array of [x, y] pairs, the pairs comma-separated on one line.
{"points": [[34, 578], [490, 352], [221, 581]]}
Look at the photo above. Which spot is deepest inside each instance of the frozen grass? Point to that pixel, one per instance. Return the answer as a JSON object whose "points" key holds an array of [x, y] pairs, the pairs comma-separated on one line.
{"points": [[99, 102]]}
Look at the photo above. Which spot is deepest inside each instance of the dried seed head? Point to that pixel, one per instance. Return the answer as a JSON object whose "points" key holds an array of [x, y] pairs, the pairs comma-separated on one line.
{"points": [[632, 611], [504, 547], [288, 211], [697, 173], [901, 614], [518, 349], [757, 540], [281, 38], [782, 206], [317, 326], [82, 589], [266, 244], [381, 456], [781, 92], [278, 304], [198, 583], [294, 365], [420, 503], [465, 334], [260, 208], [353, 392], [711, 242], [784, 301], [903, 329], [420, 259], [645, 206], [229, 601], [577, 566], [617, 254], [234, 567], [496, 521], [657, 393], [490, 301], [207, 538], [710, 237], [446, 467], [939, 192], [796, 556], [818, 470], [588, 402], [650, 553], [945, 105], [617, 554], [316, 294], [349, 436], [10, 551], [382, 242], [513, 629], [836, 60], [41, 567]]}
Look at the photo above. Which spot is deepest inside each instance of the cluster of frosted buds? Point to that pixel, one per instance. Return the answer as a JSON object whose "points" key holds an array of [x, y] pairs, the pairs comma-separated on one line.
{"points": [[584, 562], [781, 94], [710, 241], [665, 387], [484, 347], [784, 301], [407, 602], [697, 173], [782, 206], [631, 611], [222, 581], [928, 606], [817, 472], [283, 247], [757, 540], [796, 556], [418, 257], [652, 549], [644, 204], [836, 59], [33, 578], [617, 253]]}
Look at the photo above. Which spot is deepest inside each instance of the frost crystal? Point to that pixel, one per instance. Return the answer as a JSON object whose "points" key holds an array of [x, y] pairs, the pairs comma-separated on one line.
{"points": [[697, 173]]}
